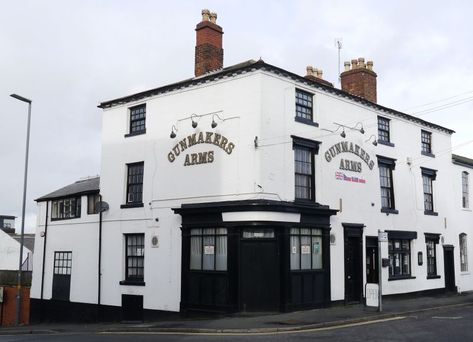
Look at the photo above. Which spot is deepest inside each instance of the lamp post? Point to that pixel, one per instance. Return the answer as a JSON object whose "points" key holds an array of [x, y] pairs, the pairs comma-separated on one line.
{"points": [[20, 263]]}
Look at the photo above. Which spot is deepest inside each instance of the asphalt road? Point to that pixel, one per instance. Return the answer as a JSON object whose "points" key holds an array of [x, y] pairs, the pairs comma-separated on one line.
{"points": [[453, 325]]}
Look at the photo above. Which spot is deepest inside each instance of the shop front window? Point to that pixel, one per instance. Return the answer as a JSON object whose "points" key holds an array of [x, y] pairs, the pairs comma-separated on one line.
{"points": [[208, 249], [399, 258], [306, 249]]}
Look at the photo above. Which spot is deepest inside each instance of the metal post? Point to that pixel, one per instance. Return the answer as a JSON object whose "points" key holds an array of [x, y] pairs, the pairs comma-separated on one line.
{"points": [[380, 276], [22, 238]]}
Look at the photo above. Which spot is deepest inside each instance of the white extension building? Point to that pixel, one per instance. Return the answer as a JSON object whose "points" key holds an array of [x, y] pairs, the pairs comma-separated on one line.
{"points": [[252, 188]]}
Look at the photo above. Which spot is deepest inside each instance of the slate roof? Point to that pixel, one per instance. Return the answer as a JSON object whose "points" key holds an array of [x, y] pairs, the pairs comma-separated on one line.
{"points": [[463, 161], [81, 187], [252, 65], [28, 240]]}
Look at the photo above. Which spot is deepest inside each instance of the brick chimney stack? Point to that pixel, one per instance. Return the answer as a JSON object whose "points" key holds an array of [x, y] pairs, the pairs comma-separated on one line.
{"points": [[360, 79], [208, 48]]}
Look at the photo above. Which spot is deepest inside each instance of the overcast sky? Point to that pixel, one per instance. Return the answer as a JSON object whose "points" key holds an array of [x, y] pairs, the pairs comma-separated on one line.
{"points": [[67, 56]]}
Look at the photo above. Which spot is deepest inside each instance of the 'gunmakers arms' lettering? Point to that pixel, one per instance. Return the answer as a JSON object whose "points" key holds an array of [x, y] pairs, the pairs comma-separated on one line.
{"points": [[196, 139], [349, 147]]}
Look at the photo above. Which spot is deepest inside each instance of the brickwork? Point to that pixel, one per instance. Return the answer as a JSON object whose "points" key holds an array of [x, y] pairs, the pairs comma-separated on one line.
{"points": [[208, 49], [359, 79], [8, 307]]}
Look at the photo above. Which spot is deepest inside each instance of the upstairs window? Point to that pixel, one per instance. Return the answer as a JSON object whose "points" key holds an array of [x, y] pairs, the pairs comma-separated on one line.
{"points": [[426, 142], [304, 106], [428, 176], [137, 120], [465, 190], [134, 193], [92, 201], [383, 131], [304, 151], [463, 253], [66, 208], [386, 167]]}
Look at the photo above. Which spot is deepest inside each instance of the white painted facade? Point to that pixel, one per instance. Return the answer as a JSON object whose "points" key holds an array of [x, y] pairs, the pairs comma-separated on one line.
{"points": [[10, 252], [258, 109]]}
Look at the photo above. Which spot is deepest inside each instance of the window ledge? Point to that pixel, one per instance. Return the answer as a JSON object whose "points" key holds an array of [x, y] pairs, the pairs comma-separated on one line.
{"points": [[465, 273], [386, 143], [389, 211], [133, 282], [64, 219], [427, 154], [467, 209], [433, 277], [401, 278], [431, 213], [132, 205], [135, 133], [306, 121]]}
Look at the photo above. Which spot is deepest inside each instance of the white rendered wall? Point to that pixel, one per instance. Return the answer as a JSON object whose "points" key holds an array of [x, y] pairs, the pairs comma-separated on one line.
{"points": [[10, 252]]}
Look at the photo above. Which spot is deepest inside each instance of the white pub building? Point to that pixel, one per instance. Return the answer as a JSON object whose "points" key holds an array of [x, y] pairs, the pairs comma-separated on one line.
{"points": [[251, 188]]}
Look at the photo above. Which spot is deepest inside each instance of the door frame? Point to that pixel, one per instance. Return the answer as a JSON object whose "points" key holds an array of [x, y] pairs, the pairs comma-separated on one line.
{"points": [[449, 249], [353, 230], [372, 245]]}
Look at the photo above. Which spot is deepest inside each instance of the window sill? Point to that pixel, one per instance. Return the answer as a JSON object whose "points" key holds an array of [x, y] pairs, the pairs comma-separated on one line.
{"points": [[386, 143], [467, 209], [135, 133], [132, 205], [464, 273], [306, 121], [427, 154], [433, 277], [401, 278], [389, 211], [133, 282], [64, 219], [431, 213]]}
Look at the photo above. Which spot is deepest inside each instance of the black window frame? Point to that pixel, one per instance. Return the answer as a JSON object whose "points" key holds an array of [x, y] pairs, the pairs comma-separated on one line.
{"points": [[314, 233], [304, 107], [312, 147], [58, 208], [401, 250], [428, 178], [62, 264], [132, 182], [137, 120], [426, 143], [386, 167], [384, 131], [205, 234], [431, 242], [92, 200], [133, 243]]}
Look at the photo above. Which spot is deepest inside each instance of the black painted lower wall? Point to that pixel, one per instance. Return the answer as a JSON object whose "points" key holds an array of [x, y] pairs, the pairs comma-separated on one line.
{"points": [[42, 311]]}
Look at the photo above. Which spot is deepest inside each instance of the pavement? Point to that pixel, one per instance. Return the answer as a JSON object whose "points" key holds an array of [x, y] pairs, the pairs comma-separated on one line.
{"points": [[260, 323]]}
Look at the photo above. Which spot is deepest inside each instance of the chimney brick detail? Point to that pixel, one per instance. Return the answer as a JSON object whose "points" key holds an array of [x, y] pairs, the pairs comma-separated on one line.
{"points": [[360, 80], [208, 49]]}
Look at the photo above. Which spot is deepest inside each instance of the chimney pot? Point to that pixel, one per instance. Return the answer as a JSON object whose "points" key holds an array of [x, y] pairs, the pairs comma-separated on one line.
{"points": [[347, 66], [213, 17], [320, 73], [361, 62], [310, 70], [369, 65], [354, 63], [205, 15]]}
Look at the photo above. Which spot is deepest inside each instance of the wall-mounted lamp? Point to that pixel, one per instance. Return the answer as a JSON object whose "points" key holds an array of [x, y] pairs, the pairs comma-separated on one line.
{"points": [[194, 123], [375, 142], [343, 134], [361, 130], [173, 132]]}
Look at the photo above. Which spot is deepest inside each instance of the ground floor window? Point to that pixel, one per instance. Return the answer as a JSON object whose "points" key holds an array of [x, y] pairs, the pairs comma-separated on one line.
{"points": [[306, 249], [431, 258], [208, 249], [62, 263], [399, 258], [135, 255], [463, 253]]}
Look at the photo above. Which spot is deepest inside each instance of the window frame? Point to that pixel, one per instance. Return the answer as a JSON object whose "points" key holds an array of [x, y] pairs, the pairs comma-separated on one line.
{"points": [[384, 131], [389, 165], [62, 262], [428, 178], [200, 234], [426, 143], [314, 234], [463, 247], [91, 208], [465, 190], [58, 208], [304, 112], [136, 116], [431, 242], [392, 251], [312, 147], [129, 184], [134, 279]]}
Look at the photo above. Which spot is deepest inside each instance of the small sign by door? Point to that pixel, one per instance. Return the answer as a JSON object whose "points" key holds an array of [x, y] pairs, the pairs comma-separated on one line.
{"points": [[372, 294]]}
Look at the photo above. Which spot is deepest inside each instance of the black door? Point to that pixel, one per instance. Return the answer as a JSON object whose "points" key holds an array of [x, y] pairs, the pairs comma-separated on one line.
{"points": [[353, 262], [62, 275], [372, 270], [449, 266], [259, 275]]}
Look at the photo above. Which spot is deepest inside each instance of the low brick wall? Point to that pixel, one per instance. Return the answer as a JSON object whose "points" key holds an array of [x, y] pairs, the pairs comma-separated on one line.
{"points": [[8, 307]]}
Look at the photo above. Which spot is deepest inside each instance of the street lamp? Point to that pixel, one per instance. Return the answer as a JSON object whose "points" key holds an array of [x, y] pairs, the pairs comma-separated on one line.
{"points": [[20, 263]]}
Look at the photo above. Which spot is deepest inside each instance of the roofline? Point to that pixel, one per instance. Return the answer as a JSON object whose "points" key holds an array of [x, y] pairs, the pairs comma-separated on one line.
{"points": [[261, 65], [8, 217], [81, 193], [462, 161]]}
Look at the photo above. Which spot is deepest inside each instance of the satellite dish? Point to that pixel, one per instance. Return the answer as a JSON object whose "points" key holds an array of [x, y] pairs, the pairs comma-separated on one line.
{"points": [[101, 206]]}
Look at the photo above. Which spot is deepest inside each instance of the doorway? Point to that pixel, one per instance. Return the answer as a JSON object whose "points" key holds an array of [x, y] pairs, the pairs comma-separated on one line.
{"points": [[372, 271], [449, 268], [259, 271], [353, 263]]}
